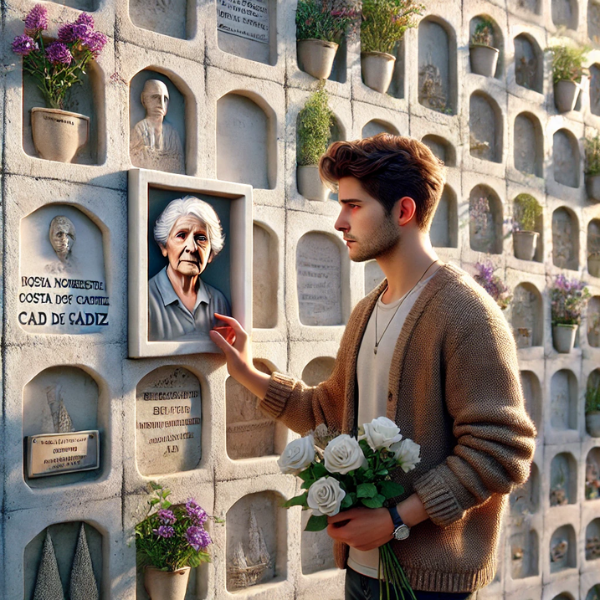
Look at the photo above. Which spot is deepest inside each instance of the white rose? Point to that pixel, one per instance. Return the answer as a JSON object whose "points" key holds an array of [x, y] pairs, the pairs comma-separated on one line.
{"points": [[381, 433], [343, 454], [298, 455], [406, 454], [325, 497]]}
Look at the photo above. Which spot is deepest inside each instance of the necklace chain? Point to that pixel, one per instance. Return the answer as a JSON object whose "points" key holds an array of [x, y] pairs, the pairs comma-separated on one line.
{"points": [[378, 341]]}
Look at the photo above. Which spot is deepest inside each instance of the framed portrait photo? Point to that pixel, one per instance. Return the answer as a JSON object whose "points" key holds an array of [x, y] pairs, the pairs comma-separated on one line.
{"points": [[190, 256]]}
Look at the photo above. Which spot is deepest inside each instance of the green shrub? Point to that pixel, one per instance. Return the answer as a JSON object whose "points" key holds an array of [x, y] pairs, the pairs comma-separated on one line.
{"points": [[567, 63], [314, 128], [592, 156], [321, 20], [592, 393], [527, 211], [483, 34], [384, 23]]}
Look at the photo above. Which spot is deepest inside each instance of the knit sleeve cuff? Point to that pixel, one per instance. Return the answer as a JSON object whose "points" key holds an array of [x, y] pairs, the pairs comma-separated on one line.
{"points": [[440, 504], [278, 392]]}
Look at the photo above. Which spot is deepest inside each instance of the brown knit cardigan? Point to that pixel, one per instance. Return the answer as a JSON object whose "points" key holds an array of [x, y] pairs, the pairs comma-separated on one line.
{"points": [[454, 388]]}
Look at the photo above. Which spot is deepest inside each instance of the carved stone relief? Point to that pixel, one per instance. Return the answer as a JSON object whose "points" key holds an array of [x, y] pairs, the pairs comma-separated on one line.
{"points": [[565, 247], [319, 266], [485, 129], [524, 554], [168, 17], [168, 421], [528, 71], [565, 159], [564, 13], [563, 549], [563, 400], [563, 480], [528, 151], [434, 67], [377, 126], [533, 396], [265, 278], [373, 276]]}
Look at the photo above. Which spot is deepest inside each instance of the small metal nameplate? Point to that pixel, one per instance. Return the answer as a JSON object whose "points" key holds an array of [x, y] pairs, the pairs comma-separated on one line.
{"points": [[58, 453]]}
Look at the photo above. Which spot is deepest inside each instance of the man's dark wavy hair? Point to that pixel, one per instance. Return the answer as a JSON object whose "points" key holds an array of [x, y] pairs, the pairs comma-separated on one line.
{"points": [[389, 167]]}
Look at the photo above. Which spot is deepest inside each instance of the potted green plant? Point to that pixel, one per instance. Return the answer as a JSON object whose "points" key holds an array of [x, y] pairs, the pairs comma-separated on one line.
{"points": [[592, 404], [592, 167], [314, 131], [58, 65], [169, 542], [492, 284], [319, 29], [483, 54], [567, 300], [527, 211], [567, 71], [383, 26]]}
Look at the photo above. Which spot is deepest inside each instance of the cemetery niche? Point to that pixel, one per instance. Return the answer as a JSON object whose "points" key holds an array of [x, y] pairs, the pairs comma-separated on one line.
{"points": [[529, 71], [441, 148], [444, 227], [563, 549], [566, 159], [563, 400], [563, 480], [175, 18], [524, 554], [527, 316], [593, 321], [485, 125], [265, 277], [533, 397], [485, 222], [528, 145], [565, 239]]}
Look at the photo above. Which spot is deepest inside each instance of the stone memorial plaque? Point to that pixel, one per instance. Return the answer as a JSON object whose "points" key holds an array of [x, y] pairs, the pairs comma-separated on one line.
{"points": [[169, 422], [59, 453], [244, 18]]}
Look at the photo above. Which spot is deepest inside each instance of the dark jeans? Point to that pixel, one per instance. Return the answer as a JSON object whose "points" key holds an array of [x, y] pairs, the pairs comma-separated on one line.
{"points": [[360, 587]]}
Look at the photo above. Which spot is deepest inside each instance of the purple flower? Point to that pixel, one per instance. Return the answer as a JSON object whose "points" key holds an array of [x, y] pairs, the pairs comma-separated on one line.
{"points": [[164, 531], [37, 19], [85, 19], [58, 53], [196, 513], [74, 32], [24, 45], [96, 42], [166, 516], [197, 537]]}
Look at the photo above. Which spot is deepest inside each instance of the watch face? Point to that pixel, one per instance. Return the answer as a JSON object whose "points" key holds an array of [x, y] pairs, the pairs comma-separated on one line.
{"points": [[402, 532]]}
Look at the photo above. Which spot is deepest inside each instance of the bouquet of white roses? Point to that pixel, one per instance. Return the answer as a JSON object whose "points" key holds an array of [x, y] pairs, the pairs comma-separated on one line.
{"points": [[340, 472]]}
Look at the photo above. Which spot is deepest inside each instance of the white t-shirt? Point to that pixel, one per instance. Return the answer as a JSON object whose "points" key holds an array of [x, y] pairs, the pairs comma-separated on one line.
{"points": [[373, 373]]}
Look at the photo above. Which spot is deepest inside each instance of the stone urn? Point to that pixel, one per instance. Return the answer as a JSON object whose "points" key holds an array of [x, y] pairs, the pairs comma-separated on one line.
{"points": [[565, 95], [592, 185], [58, 134], [524, 244], [592, 423], [484, 59], [315, 57], [564, 337], [310, 184], [377, 70], [166, 585]]}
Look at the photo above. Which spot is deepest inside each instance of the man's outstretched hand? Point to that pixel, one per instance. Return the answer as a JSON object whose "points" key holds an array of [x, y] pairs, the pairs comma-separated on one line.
{"points": [[362, 528]]}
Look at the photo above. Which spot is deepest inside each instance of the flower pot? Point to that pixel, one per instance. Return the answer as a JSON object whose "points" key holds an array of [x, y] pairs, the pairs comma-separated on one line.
{"points": [[524, 337], [315, 57], [564, 337], [166, 585], [592, 185], [565, 95], [58, 134], [484, 60], [592, 423], [310, 184], [594, 265], [524, 244], [377, 70]]}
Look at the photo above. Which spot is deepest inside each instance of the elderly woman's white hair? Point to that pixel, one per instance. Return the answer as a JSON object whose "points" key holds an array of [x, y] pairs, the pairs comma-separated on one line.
{"points": [[189, 205]]}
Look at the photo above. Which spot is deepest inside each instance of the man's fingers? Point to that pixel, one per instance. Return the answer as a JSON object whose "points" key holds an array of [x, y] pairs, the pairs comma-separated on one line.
{"points": [[345, 515], [219, 340], [231, 322]]}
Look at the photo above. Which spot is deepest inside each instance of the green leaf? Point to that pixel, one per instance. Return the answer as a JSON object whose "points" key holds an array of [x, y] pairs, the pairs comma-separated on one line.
{"points": [[307, 484], [296, 500], [390, 489], [382, 472], [366, 490], [319, 471], [347, 502], [305, 475], [376, 502], [316, 523]]}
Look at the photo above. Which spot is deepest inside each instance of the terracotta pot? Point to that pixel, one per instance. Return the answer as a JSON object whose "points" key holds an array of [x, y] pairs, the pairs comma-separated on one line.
{"points": [[594, 266], [315, 57], [310, 184], [58, 134], [592, 423], [592, 185], [564, 337], [524, 244], [377, 70], [565, 95], [166, 585], [484, 60]]}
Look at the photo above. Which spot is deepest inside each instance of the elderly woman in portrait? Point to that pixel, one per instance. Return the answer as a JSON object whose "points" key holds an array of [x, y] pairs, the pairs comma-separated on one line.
{"points": [[181, 305]]}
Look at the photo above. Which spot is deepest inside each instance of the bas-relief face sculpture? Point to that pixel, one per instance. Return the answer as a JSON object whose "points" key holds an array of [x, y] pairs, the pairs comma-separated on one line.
{"points": [[62, 237]]}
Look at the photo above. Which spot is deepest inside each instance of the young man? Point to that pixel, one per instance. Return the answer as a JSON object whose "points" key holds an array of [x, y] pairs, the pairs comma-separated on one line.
{"points": [[430, 350]]}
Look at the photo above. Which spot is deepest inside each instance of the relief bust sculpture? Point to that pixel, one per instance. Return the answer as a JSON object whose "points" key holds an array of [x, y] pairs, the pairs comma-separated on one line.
{"points": [[180, 305], [61, 234], [154, 143]]}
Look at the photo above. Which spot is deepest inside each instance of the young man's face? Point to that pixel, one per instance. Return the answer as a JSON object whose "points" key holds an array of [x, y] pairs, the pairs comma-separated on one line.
{"points": [[369, 232]]}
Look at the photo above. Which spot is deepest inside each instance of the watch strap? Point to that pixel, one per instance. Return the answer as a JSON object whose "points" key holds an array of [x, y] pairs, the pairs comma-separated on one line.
{"points": [[395, 517]]}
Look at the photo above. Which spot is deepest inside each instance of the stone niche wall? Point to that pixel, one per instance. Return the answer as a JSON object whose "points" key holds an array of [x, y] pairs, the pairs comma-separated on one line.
{"points": [[485, 224], [265, 277], [444, 227], [593, 321], [378, 126], [563, 549], [563, 400], [565, 158], [533, 396], [527, 316], [87, 5], [525, 500], [595, 85], [175, 18], [529, 63], [565, 239], [442, 148], [497, 40], [524, 554], [593, 247], [528, 145], [486, 128], [565, 13]]}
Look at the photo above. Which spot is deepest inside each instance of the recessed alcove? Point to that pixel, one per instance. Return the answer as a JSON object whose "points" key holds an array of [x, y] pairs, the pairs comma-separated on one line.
{"points": [[170, 151], [564, 596], [563, 480], [529, 61], [318, 370], [437, 65], [563, 549], [256, 534], [256, 38], [373, 276], [340, 63], [527, 6], [317, 549], [444, 227], [565, 158], [175, 18], [533, 397], [593, 321], [485, 222], [525, 552], [319, 280], [246, 140], [76, 549], [250, 433], [565, 239], [527, 316], [87, 5], [565, 13], [265, 277], [485, 124], [529, 145], [594, 79], [376, 126], [592, 474], [496, 42], [593, 25], [592, 540], [538, 226], [563, 400], [525, 499], [396, 89], [441, 148], [593, 247], [593, 593]]}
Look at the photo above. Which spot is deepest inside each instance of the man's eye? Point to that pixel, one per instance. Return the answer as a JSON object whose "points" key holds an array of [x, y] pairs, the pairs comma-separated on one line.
{"points": [[181, 235], [201, 238]]}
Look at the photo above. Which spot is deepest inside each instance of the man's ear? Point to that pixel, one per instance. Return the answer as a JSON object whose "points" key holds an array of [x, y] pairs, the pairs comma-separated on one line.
{"points": [[163, 249], [210, 258], [407, 210]]}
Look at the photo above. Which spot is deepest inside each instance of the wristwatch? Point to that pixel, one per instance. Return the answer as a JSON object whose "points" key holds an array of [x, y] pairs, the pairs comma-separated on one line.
{"points": [[401, 530]]}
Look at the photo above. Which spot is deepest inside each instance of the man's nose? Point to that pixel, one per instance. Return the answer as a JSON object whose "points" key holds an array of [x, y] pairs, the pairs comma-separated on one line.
{"points": [[163, 103], [341, 224], [190, 244]]}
